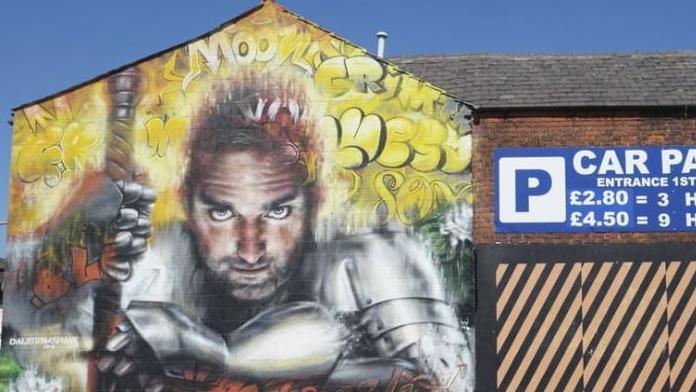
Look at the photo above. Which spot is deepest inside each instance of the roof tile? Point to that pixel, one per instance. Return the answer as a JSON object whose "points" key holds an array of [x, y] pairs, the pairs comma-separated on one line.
{"points": [[508, 81]]}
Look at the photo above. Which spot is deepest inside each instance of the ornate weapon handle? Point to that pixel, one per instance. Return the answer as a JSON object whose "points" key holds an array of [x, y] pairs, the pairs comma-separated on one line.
{"points": [[123, 91], [119, 166]]}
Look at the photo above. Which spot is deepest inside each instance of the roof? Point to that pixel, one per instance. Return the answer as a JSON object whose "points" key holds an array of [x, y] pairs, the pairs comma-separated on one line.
{"points": [[500, 81]]}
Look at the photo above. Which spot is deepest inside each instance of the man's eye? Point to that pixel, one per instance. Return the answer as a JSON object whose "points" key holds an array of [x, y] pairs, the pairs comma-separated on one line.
{"points": [[221, 214], [279, 212]]}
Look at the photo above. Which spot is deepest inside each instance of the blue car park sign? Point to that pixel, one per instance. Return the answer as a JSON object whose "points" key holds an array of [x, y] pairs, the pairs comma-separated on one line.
{"points": [[595, 189]]}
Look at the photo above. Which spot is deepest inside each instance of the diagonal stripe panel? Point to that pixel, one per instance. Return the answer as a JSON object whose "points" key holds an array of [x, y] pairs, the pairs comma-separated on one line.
{"points": [[528, 351], [506, 281], [681, 313], [644, 325], [604, 327], [596, 326], [564, 346], [623, 323], [536, 344], [528, 328], [515, 312], [652, 366]]}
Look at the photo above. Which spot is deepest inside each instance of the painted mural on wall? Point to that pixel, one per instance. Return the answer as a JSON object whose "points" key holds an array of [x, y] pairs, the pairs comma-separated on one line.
{"points": [[265, 208]]}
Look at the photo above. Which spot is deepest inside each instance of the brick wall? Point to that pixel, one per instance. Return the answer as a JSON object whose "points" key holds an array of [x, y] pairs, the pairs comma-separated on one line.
{"points": [[566, 128]]}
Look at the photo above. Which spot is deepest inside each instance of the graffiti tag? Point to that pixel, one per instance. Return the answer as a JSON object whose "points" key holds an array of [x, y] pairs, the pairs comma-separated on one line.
{"points": [[54, 283]]}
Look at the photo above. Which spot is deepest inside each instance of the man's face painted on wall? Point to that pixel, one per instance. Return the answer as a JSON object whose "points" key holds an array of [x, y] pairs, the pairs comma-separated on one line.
{"points": [[249, 214]]}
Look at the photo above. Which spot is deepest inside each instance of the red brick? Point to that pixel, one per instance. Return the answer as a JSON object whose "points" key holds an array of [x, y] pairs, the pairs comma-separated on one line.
{"points": [[617, 127]]}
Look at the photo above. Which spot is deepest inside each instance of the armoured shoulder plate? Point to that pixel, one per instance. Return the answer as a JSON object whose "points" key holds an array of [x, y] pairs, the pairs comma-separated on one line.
{"points": [[368, 270], [395, 288]]}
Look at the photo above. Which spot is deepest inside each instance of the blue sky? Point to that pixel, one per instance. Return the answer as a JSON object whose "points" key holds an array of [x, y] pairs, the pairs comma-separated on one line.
{"points": [[49, 45]]}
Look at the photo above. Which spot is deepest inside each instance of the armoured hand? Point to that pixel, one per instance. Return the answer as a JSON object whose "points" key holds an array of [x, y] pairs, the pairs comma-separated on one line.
{"points": [[132, 228], [128, 364]]}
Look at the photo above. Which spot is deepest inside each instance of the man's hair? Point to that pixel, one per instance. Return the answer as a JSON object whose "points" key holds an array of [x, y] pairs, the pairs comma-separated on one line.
{"points": [[253, 114]]}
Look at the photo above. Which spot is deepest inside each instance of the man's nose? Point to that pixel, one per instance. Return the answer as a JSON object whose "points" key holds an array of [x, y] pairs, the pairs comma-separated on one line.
{"points": [[251, 245]]}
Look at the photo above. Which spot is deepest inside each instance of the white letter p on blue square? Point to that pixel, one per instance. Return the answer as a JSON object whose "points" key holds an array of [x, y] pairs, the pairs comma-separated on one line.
{"points": [[531, 190]]}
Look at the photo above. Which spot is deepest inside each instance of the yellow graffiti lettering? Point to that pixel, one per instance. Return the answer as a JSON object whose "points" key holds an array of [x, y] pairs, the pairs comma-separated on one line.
{"points": [[332, 77], [356, 183], [392, 82], [386, 185], [331, 46], [359, 138], [62, 108], [169, 72], [49, 153], [167, 98], [415, 199], [77, 145], [267, 45], [195, 69], [366, 73], [294, 46], [160, 133], [411, 198], [457, 154], [417, 95], [245, 48], [427, 145], [38, 155], [210, 50], [37, 117], [339, 75], [397, 147], [398, 151], [443, 191]]}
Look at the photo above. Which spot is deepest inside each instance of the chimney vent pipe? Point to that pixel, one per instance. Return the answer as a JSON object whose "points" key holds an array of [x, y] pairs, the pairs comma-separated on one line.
{"points": [[381, 41]]}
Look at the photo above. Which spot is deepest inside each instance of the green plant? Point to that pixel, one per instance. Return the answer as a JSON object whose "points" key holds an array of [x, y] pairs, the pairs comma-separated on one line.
{"points": [[9, 370]]}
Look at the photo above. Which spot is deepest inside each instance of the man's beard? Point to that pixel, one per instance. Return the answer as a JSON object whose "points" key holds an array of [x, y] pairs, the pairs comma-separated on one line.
{"points": [[253, 287]]}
